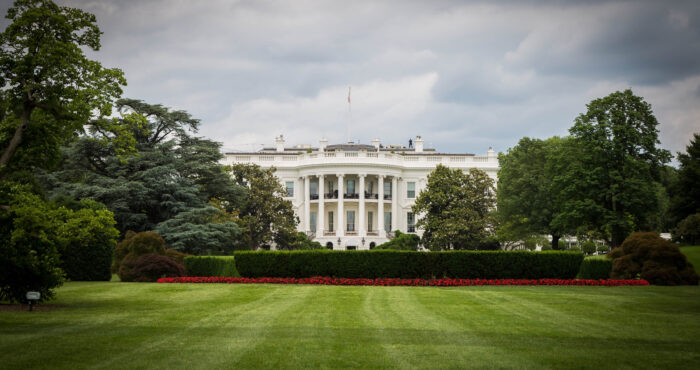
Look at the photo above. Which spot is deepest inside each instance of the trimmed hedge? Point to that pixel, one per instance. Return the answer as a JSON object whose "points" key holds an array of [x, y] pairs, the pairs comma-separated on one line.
{"points": [[222, 266], [595, 268], [407, 264]]}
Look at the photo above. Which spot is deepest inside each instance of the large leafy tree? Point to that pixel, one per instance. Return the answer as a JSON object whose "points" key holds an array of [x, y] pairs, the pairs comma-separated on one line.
{"points": [[263, 215], [166, 186], [612, 184], [50, 89], [454, 209], [527, 200], [685, 200]]}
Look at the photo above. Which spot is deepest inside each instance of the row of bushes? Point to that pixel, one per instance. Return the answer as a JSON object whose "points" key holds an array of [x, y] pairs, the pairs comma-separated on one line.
{"points": [[595, 268], [222, 266], [406, 264]]}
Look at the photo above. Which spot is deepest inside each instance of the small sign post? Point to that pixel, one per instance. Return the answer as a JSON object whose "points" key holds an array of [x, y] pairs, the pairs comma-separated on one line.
{"points": [[32, 297]]}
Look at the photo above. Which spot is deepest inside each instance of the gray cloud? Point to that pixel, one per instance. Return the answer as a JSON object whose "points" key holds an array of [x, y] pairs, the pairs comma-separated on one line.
{"points": [[465, 75]]}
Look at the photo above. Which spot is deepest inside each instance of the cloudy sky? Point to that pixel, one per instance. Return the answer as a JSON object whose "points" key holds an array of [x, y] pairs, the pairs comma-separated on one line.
{"points": [[464, 75]]}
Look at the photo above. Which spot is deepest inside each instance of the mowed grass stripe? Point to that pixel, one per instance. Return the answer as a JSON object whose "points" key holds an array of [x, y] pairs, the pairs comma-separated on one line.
{"points": [[120, 325]]}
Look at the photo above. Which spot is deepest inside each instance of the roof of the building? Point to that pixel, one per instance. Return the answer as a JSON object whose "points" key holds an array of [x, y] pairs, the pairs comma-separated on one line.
{"points": [[350, 147]]}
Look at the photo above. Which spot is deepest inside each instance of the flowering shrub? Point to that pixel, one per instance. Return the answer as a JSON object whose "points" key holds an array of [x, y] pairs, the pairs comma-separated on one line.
{"points": [[320, 280]]}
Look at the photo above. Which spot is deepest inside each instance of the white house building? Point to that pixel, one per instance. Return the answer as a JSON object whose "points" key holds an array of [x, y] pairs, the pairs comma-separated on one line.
{"points": [[352, 196]]}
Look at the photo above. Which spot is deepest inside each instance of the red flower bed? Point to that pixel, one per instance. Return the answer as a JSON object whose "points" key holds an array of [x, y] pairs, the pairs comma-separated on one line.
{"points": [[319, 280]]}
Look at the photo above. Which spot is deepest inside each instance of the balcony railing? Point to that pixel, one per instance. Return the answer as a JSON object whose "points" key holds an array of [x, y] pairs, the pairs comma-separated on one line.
{"points": [[351, 196], [313, 196], [368, 195], [333, 195], [387, 196]]}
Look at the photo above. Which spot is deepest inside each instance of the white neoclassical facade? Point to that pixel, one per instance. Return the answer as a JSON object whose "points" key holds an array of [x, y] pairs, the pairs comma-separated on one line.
{"points": [[352, 196]]}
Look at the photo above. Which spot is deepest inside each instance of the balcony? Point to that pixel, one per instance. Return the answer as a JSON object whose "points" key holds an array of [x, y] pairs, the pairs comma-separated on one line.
{"points": [[333, 195], [351, 196], [313, 196], [368, 195], [387, 196]]}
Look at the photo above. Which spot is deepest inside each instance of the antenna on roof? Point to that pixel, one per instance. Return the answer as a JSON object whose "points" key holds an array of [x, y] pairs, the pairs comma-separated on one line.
{"points": [[347, 130]]}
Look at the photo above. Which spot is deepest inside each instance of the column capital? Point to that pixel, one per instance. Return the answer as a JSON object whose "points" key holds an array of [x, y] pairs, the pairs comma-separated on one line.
{"points": [[340, 174], [361, 175]]}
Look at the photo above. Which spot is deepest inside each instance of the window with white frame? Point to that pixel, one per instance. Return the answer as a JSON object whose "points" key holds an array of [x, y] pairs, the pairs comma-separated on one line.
{"points": [[290, 188], [410, 222], [351, 221], [410, 190]]}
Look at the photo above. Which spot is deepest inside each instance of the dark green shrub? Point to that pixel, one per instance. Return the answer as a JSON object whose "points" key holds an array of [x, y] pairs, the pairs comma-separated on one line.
{"points": [[178, 256], [588, 247], [401, 241], [547, 247], [603, 248], [151, 267], [575, 248], [595, 268], [647, 255], [409, 264], [563, 245], [688, 230], [88, 240], [211, 266]]}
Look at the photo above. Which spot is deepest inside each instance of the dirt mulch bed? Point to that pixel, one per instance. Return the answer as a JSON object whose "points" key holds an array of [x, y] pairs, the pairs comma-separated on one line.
{"points": [[25, 307]]}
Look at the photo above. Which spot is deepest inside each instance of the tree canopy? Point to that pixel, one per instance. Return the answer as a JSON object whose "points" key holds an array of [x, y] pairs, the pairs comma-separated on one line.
{"points": [[168, 185], [527, 200], [454, 209], [611, 186], [263, 215], [50, 89], [685, 200]]}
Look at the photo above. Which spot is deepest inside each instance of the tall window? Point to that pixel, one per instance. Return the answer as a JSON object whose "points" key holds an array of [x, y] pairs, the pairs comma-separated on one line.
{"points": [[330, 187], [351, 220], [312, 222], [330, 221], [410, 190], [313, 188], [370, 187], [290, 188], [387, 221], [410, 222], [370, 220], [351, 187], [387, 190]]}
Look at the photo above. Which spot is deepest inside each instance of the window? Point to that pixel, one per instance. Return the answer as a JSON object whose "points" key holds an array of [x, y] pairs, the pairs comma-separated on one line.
{"points": [[387, 190], [370, 187], [372, 245], [351, 247], [351, 220], [312, 222], [350, 187], [313, 188], [410, 190], [370, 220], [290, 188], [387, 222], [410, 222], [330, 221], [329, 245]]}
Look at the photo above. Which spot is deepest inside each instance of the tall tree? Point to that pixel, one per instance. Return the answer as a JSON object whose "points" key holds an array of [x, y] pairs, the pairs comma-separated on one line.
{"points": [[264, 216], [50, 88], [685, 200], [454, 209], [527, 201], [612, 184]]}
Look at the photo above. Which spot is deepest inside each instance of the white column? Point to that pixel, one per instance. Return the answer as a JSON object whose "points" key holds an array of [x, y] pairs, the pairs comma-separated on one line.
{"points": [[380, 207], [394, 203], [320, 217], [340, 227], [361, 219], [307, 205]]}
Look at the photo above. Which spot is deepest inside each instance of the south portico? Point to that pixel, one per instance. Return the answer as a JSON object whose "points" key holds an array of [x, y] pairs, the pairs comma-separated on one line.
{"points": [[350, 209]]}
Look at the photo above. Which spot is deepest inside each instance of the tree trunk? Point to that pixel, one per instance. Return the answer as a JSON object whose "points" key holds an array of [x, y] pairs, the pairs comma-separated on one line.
{"points": [[16, 139], [555, 241]]}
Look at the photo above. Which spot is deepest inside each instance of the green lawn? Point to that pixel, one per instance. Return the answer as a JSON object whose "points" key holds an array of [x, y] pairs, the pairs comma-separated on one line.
{"points": [[693, 255], [139, 325]]}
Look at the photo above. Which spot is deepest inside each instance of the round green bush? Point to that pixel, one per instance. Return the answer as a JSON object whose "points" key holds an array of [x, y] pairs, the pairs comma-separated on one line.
{"points": [[688, 230], [131, 248], [588, 247], [647, 255]]}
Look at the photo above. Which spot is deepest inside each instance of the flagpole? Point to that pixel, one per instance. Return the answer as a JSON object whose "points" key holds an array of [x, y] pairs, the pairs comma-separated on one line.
{"points": [[347, 130]]}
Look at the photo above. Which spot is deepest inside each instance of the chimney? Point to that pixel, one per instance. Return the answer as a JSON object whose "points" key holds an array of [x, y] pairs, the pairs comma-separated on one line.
{"points": [[280, 143], [419, 144], [322, 144], [491, 153], [375, 143]]}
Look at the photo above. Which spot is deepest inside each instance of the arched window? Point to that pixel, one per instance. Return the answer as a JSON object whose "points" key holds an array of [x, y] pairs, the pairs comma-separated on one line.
{"points": [[329, 245], [372, 245]]}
